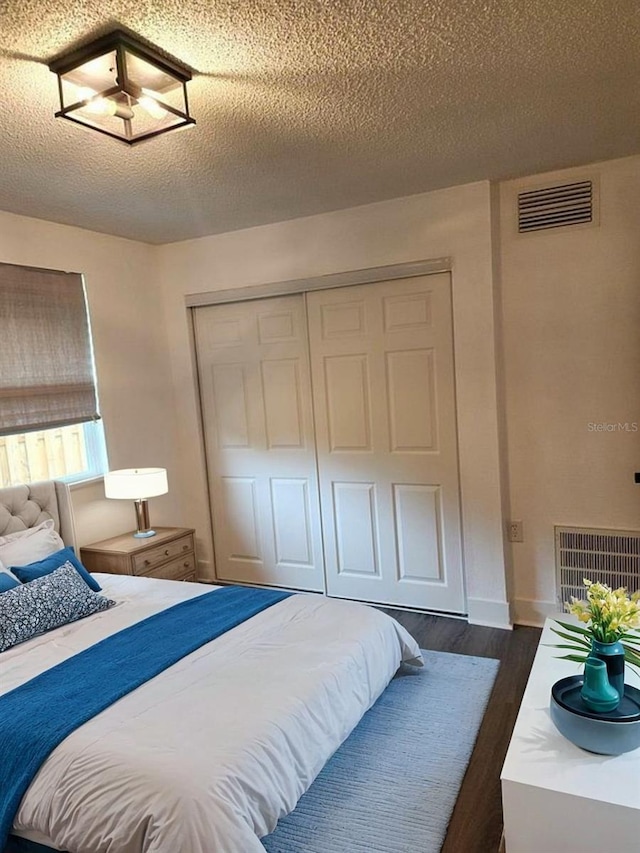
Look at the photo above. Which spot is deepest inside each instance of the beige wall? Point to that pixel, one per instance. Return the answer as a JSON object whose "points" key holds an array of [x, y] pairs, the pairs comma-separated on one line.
{"points": [[131, 354], [567, 320], [454, 223], [571, 348]]}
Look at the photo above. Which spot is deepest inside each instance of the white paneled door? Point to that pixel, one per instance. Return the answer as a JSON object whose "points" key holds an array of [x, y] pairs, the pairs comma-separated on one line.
{"points": [[384, 402], [331, 442], [253, 364]]}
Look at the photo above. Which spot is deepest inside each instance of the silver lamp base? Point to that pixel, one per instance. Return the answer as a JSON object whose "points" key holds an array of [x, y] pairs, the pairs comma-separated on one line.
{"points": [[142, 519]]}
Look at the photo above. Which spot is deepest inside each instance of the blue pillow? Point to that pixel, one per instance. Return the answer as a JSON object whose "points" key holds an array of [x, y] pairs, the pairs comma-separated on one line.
{"points": [[7, 582], [55, 599], [50, 564]]}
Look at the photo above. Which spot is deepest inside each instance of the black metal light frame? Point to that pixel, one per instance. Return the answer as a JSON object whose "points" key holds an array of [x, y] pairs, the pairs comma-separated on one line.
{"points": [[122, 42]]}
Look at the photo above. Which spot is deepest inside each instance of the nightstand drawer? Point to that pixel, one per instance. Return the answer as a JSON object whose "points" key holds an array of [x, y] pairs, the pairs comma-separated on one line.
{"points": [[181, 569], [150, 559]]}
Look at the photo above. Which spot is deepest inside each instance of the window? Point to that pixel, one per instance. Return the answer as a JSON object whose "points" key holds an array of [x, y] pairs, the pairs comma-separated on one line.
{"points": [[74, 452], [49, 425]]}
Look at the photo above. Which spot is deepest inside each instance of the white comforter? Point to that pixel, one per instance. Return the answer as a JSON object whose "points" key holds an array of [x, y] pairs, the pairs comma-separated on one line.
{"points": [[206, 757]]}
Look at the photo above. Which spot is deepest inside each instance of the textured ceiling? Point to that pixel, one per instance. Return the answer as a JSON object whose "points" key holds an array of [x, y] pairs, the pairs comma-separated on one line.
{"points": [[304, 106]]}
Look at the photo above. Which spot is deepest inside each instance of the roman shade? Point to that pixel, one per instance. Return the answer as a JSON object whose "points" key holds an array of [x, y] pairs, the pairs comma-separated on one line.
{"points": [[46, 365]]}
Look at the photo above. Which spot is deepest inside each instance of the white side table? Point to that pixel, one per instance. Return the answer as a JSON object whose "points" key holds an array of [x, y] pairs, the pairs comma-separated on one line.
{"points": [[558, 798]]}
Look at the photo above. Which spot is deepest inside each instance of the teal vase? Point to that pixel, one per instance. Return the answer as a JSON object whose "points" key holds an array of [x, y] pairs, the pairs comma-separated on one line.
{"points": [[597, 693], [613, 656]]}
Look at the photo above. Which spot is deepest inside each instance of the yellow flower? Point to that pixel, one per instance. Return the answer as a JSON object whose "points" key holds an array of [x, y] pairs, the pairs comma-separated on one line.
{"points": [[608, 613]]}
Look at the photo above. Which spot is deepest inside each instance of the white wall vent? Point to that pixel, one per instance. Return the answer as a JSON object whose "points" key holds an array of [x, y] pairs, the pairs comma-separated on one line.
{"points": [[556, 207], [606, 556]]}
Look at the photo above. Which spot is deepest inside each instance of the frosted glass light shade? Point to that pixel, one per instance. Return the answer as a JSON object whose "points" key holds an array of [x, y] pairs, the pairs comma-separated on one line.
{"points": [[136, 483]]}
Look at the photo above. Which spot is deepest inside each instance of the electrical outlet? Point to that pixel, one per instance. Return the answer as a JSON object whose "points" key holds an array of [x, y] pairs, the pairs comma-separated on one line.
{"points": [[515, 531]]}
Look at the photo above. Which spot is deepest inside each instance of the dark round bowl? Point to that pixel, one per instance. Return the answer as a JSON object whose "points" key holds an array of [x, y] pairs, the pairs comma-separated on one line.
{"points": [[611, 733]]}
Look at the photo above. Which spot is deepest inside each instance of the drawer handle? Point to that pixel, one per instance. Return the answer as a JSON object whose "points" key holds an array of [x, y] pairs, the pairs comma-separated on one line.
{"points": [[147, 563], [185, 547], [166, 553], [186, 565]]}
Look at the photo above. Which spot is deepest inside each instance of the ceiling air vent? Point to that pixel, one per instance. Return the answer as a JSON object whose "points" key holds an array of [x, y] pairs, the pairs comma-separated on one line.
{"points": [[555, 207]]}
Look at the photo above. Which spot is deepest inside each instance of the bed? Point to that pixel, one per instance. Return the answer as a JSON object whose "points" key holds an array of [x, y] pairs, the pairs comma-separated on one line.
{"points": [[206, 756]]}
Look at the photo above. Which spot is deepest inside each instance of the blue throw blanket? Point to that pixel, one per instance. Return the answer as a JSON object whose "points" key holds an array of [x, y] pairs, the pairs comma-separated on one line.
{"points": [[37, 716]]}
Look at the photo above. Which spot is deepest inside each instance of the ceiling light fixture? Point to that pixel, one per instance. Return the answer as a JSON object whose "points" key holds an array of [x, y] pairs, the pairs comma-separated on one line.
{"points": [[123, 88]]}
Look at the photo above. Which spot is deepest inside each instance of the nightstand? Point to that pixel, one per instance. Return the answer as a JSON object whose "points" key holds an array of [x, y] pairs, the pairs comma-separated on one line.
{"points": [[169, 554]]}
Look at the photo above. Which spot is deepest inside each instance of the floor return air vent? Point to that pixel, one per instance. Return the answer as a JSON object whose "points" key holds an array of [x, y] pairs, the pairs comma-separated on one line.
{"points": [[607, 556]]}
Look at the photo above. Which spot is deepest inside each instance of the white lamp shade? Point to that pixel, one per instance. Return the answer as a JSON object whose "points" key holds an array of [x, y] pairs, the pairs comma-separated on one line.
{"points": [[136, 483]]}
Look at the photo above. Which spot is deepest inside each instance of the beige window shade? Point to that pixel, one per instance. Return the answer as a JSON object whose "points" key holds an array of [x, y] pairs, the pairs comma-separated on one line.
{"points": [[46, 366]]}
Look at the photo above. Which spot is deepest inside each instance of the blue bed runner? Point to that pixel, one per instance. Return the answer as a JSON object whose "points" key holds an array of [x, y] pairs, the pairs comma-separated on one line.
{"points": [[37, 716]]}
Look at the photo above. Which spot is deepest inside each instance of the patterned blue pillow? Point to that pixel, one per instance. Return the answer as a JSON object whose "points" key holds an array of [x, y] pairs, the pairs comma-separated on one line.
{"points": [[45, 603]]}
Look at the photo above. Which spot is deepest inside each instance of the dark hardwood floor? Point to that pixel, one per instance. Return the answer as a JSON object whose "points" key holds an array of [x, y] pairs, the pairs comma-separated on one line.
{"points": [[476, 823]]}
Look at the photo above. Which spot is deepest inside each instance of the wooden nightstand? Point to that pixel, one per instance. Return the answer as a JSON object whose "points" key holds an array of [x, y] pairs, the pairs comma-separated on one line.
{"points": [[169, 554]]}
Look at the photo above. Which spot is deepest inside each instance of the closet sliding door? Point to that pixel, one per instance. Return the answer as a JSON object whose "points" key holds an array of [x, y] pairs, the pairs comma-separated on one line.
{"points": [[253, 365], [384, 401], [331, 440]]}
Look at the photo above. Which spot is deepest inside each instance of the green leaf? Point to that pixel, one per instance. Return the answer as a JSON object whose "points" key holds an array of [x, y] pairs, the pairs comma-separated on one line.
{"points": [[579, 640], [633, 634], [565, 646], [632, 657], [577, 629]]}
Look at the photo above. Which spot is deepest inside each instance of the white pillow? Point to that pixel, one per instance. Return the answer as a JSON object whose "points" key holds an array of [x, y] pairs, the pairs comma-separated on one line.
{"points": [[27, 546], [20, 534]]}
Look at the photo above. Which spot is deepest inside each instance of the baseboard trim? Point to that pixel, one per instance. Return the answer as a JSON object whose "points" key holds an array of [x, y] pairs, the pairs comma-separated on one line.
{"points": [[482, 611], [533, 612], [205, 572], [491, 614]]}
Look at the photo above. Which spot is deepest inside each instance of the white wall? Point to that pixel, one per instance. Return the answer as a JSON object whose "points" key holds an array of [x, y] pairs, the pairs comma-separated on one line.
{"points": [[571, 338], [455, 223], [131, 354], [567, 322]]}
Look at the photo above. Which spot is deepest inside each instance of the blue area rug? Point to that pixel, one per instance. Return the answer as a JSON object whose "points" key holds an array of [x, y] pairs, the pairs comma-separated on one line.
{"points": [[392, 785]]}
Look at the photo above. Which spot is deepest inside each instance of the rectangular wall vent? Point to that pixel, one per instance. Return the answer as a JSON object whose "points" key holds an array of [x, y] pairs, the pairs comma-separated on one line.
{"points": [[606, 556], [555, 207]]}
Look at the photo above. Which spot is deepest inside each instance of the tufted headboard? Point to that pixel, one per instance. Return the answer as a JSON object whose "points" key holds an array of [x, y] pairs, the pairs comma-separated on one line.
{"points": [[26, 506]]}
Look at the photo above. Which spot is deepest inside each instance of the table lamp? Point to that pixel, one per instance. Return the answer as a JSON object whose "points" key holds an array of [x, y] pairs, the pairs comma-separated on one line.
{"points": [[137, 484]]}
